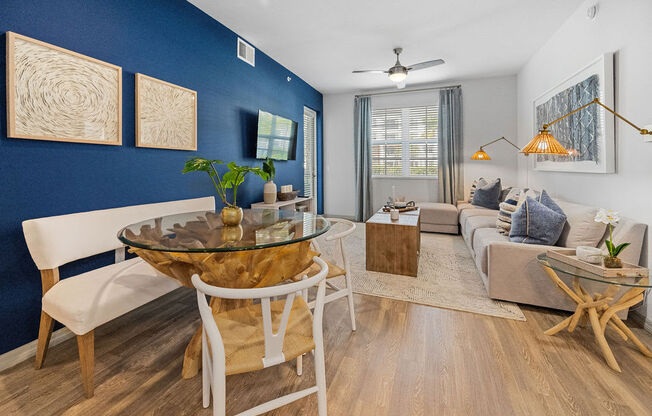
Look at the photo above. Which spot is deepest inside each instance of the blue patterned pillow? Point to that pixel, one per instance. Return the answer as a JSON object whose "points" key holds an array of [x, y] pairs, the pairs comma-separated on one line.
{"points": [[535, 223], [488, 196]]}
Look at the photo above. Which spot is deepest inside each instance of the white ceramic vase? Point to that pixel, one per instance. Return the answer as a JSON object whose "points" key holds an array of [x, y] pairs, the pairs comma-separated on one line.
{"points": [[269, 192]]}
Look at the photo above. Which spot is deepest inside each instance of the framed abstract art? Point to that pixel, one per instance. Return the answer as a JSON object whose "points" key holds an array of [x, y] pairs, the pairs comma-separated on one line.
{"points": [[59, 95], [587, 134], [166, 115]]}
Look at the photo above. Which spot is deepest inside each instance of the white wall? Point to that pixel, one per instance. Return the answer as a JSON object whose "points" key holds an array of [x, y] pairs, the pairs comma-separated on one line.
{"points": [[489, 111], [622, 27]]}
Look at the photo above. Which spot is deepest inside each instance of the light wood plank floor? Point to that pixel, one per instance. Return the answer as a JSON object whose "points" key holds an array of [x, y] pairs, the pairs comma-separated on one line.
{"points": [[405, 359]]}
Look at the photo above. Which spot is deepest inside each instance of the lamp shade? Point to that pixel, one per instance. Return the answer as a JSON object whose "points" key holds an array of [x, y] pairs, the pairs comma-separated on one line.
{"points": [[544, 143], [480, 155]]}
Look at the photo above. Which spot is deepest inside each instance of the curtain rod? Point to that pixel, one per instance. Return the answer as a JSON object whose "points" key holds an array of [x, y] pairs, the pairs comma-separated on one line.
{"points": [[405, 91]]}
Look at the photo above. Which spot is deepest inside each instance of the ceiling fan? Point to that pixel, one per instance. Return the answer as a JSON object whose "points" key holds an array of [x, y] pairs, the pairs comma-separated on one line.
{"points": [[398, 72]]}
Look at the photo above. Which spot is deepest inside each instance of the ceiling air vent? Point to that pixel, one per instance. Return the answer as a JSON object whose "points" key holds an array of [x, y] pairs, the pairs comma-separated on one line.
{"points": [[246, 52]]}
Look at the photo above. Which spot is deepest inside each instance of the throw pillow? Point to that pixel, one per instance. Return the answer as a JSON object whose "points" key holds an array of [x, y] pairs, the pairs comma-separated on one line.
{"points": [[504, 193], [535, 223], [488, 196], [504, 220], [580, 229], [524, 194], [475, 185]]}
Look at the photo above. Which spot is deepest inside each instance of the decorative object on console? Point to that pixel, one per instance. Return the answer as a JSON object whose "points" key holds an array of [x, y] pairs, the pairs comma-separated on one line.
{"points": [[588, 254], [166, 115], [287, 196], [394, 214], [231, 214], [586, 138], [481, 155], [476, 183], [488, 196], [269, 190], [59, 95], [537, 221], [611, 218]]}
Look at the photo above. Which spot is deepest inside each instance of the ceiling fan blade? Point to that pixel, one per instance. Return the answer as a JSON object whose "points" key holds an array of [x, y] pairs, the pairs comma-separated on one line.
{"points": [[400, 85], [370, 71], [424, 65]]}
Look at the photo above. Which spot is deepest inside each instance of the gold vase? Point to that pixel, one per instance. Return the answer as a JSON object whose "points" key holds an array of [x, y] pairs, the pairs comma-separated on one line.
{"points": [[231, 215], [613, 262]]}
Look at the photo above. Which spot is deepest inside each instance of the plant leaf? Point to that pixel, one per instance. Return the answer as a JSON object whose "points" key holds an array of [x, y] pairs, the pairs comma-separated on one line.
{"points": [[621, 248], [199, 164], [610, 247]]}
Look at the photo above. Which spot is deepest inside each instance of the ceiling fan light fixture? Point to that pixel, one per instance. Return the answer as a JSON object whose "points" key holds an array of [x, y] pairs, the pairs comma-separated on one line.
{"points": [[397, 74]]}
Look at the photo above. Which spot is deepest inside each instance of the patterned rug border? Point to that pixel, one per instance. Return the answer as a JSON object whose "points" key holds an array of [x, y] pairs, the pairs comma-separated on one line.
{"points": [[447, 278]]}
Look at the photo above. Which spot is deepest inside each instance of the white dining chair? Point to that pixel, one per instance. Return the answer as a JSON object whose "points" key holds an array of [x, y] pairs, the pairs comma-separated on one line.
{"points": [[338, 292], [243, 340]]}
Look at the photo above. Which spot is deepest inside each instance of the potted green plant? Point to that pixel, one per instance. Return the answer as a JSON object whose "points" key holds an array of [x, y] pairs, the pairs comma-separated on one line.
{"points": [[269, 190], [231, 214], [611, 218]]}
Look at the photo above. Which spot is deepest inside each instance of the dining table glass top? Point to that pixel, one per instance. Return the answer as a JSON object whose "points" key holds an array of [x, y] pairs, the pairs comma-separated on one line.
{"points": [[576, 272], [204, 232]]}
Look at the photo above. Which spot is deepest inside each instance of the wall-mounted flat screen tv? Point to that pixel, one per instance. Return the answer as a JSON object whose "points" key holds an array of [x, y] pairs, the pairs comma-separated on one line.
{"points": [[277, 137]]}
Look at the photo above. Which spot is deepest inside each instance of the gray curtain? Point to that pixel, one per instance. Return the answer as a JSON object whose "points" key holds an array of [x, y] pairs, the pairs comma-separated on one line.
{"points": [[362, 139], [451, 170]]}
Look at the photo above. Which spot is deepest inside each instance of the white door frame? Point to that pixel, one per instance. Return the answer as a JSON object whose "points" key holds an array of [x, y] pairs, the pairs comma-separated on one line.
{"points": [[312, 113]]}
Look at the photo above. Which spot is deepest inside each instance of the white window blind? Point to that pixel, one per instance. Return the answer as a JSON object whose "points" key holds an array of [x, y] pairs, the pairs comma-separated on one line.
{"points": [[309, 150], [404, 141]]}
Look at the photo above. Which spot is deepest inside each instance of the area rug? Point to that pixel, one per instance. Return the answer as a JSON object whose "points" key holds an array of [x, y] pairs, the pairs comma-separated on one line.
{"points": [[447, 276]]}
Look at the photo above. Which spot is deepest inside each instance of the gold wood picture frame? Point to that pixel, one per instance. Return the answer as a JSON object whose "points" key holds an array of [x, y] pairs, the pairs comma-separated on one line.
{"points": [[59, 95], [166, 115]]}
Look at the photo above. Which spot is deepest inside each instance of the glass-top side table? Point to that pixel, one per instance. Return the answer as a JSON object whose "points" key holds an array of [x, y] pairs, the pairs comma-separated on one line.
{"points": [[601, 307]]}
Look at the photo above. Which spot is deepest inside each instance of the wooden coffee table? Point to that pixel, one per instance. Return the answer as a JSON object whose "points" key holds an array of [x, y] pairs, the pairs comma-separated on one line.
{"points": [[393, 246]]}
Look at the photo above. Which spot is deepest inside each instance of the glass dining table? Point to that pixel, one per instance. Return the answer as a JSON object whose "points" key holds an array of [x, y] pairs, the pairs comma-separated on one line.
{"points": [[268, 247]]}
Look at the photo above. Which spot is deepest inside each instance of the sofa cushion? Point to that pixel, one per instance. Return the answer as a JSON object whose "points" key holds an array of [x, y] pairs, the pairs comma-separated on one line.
{"points": [[467, 205], [488, 196], [438, 213], [475, 223], [481, 240], [580, 228], [88, 300], [536, 223], [476, 212]]}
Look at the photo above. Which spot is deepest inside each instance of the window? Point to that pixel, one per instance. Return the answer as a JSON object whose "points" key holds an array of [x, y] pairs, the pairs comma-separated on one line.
{"points": [[404, 141]]}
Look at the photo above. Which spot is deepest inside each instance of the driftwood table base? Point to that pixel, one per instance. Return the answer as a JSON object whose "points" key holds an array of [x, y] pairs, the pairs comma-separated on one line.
{"points": [[601, 309], [234, 269]]}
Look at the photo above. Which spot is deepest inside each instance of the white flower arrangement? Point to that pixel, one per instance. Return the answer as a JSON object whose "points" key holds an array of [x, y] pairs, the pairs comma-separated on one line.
{"points": [[611, 218], [607, 216]]}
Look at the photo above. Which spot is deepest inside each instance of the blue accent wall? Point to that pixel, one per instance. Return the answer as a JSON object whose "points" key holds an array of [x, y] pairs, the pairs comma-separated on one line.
{"points": [[168, 39]]}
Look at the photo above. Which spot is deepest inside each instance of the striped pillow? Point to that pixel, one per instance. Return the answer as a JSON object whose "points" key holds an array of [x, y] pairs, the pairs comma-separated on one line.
{"points": [[504, 220], [478, 183]]}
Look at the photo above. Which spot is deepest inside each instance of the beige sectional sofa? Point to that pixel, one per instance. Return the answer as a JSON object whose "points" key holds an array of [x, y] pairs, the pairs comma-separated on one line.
{"points": [[510, 271]]}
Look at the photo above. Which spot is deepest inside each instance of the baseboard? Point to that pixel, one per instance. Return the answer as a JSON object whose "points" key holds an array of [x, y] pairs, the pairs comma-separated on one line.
{"points": [[22, 353], [344, 217], [639, 318]]}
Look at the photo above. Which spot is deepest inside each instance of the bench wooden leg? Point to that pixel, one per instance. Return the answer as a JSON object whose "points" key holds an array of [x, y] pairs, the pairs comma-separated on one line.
{"points": [[44, 334], [86, 345]]}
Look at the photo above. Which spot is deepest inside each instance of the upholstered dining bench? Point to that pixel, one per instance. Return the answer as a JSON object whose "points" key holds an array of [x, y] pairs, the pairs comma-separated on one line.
{"points": [[88, 300]]}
